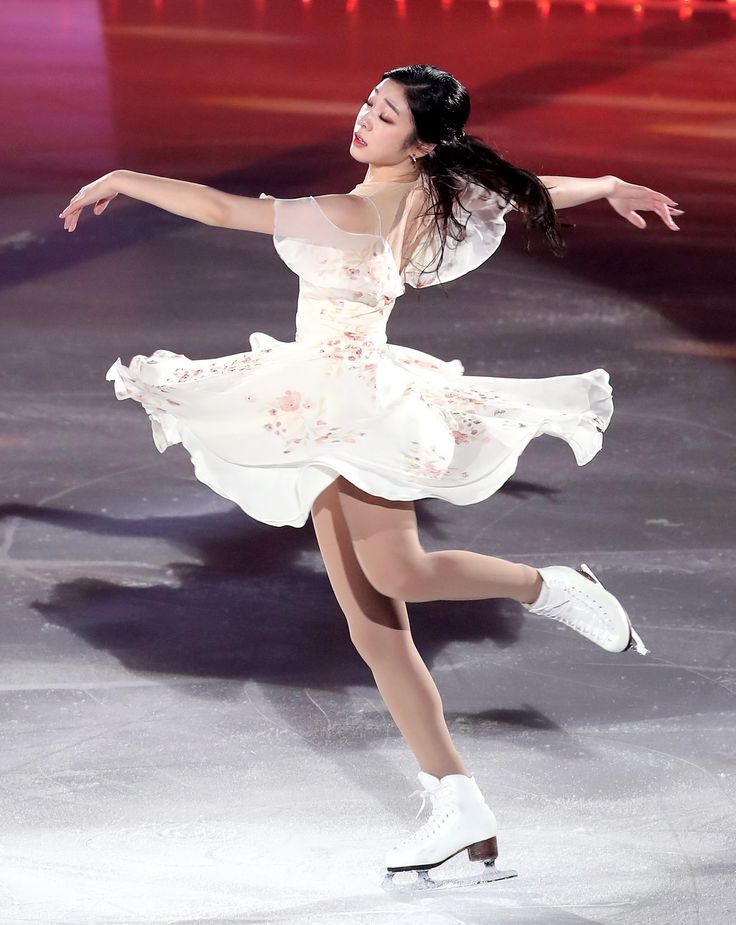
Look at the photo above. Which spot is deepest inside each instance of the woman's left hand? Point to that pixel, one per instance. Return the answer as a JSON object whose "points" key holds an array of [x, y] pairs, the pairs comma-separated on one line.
{"points": [[626, 198]]}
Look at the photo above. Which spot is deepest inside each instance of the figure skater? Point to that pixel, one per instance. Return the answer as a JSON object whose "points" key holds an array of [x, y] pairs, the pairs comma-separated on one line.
{"points": [[343, 425]]}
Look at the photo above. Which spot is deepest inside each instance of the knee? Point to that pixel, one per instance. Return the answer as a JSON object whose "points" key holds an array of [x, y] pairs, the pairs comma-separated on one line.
{"points": [[397, 578], [371, 647], [379, 645]]}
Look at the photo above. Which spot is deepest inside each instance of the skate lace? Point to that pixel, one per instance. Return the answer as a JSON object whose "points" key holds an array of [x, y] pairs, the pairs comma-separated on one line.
{"points": [[557, 611], [441, 799]]}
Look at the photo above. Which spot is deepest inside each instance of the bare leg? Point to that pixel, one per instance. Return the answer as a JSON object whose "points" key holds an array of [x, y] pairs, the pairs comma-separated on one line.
{"points": [[389, 552], [379, 628]]}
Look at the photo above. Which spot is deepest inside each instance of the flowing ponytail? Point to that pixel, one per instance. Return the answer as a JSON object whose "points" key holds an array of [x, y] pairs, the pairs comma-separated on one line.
{"points": [[440, 106]]}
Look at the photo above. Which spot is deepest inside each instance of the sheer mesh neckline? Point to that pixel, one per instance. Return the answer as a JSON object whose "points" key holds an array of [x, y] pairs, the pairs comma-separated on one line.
{"points": [[395, 223], [363, 234]]}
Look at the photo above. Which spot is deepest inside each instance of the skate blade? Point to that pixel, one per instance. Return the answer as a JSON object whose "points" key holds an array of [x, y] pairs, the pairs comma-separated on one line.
{"points": [[424, 883], [636, 642]]}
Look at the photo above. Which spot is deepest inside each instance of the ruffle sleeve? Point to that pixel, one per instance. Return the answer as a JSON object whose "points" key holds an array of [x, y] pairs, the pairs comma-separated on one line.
{"points": [[326, 255], [485, 229]]}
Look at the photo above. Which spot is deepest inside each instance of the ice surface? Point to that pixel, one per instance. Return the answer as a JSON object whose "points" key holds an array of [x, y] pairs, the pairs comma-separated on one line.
{"points": [[189, 735]]}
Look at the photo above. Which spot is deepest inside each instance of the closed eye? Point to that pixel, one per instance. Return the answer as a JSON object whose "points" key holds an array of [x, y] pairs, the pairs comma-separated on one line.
{"points": [[370, 105]]}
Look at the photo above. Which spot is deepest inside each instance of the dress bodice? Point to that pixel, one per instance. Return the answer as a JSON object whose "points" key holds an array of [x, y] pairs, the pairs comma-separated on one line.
{"points": [[349, 281]]}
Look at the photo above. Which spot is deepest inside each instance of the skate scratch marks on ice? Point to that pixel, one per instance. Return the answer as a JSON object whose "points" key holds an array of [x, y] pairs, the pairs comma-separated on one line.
{"points": [[691, 873], [162, 772], [105, 731], [566, 678], [329, 724], [689, 629], [263, 715], [600, 738], [514, 772], [388, 726], [42, 502], [21, 565], [683, 422], [491, 522], [724, 683], [85, 483]]}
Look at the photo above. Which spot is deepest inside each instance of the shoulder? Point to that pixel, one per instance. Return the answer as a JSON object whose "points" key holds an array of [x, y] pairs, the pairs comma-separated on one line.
{"points": [[349, 212]]}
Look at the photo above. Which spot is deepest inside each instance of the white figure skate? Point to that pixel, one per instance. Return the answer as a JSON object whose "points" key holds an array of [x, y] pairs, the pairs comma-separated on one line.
{"points": [[576, 597], [460, 820]]}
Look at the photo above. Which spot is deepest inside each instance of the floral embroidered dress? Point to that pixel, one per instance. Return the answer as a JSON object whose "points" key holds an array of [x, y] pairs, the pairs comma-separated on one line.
{"points": [[272, 427]]}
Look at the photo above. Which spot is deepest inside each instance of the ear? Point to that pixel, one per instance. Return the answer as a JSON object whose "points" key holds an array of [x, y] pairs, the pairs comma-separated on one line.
{"points": [[424, 148]]}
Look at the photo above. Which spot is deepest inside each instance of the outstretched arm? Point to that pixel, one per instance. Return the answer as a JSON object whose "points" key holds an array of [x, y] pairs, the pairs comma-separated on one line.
{"points": [[212, 206], [574, 191], [623, 197], [190, 200]]}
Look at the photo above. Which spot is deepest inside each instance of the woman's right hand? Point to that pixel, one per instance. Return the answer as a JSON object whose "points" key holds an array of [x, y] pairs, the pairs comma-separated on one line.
{"points": [[97, 194]]}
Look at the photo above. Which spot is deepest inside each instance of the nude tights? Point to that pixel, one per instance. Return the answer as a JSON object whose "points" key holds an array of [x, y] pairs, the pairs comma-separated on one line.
{"points": [[345, 521]]}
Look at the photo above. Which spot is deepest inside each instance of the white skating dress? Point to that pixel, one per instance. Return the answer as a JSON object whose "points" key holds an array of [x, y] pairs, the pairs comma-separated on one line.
{"points": [[272, 427]]}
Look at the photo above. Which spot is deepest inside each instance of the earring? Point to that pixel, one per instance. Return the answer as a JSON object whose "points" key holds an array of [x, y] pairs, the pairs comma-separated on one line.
{"points": [[413, 160]]}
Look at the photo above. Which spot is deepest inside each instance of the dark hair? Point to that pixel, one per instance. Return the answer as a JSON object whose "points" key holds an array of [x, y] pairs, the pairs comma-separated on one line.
{"points": [[440, 106]]}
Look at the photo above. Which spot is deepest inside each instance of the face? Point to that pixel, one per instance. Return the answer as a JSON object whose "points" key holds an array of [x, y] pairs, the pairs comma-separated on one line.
{"points": [[384, 122]]}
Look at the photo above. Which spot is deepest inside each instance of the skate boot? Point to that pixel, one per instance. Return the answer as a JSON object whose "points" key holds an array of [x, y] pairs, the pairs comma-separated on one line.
{"points": [[460, 820], [576, 597]]}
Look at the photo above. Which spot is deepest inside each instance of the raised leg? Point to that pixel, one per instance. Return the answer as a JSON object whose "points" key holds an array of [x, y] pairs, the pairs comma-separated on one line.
{"points": [[386, 544]]}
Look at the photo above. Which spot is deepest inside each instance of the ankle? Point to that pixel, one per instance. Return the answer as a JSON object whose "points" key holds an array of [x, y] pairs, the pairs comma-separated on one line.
{"points": [[535, 590], [441, 772]]}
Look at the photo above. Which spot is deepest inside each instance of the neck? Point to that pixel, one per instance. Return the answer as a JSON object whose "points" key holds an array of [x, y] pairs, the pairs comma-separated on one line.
{"points": [[394, 173]]}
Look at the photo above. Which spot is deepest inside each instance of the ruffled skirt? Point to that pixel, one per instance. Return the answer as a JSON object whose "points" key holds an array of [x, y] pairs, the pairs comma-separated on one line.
{"points": [[271, 428]]}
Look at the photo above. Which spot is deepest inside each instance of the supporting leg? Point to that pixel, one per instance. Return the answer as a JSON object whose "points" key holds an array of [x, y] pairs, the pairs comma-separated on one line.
{"points": [[379, 628]]}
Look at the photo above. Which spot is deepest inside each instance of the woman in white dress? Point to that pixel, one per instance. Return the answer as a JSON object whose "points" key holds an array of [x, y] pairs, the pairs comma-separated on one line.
{"points": [[343, 426]]}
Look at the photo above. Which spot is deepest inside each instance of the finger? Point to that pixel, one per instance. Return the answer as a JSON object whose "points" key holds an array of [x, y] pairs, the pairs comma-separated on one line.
{"points": [[664, 214], [70, 207], [637, 220], [76, 203], [661, 197]]}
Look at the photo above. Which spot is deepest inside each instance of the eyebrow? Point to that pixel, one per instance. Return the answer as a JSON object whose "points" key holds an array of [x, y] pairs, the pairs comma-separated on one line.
{"points": [[398, 113]]}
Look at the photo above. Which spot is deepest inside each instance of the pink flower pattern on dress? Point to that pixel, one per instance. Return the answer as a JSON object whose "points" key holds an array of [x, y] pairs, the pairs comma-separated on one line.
{"points": [[290, 401], [243, 362], [365, 264], [294, 422], [425, 462], [467, 408], [304, 395]]}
